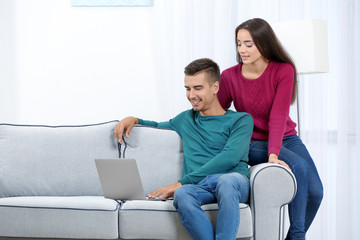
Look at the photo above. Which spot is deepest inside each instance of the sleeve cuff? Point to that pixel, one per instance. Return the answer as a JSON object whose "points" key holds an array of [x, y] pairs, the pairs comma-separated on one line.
{"points": [[274, 150], [185, 180]]}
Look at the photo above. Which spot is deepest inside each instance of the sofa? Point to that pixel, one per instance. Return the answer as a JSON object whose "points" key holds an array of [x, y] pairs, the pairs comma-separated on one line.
{"points": [[50, 189]]}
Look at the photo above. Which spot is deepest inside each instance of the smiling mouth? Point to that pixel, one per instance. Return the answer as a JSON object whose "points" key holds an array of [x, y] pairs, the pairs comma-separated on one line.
{"points": [[195, 103]]}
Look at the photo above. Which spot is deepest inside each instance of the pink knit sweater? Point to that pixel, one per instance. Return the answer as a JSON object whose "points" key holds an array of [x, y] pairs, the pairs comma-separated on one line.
{"points": [[266, 98]]}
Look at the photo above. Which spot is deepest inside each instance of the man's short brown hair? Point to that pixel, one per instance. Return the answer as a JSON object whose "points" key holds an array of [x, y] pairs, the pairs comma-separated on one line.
{"points": [[204, 64]]}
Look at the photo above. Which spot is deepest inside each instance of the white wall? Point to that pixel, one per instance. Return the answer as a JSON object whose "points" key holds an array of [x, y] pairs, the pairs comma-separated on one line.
{"points": [[8, 81], [75, 65]]}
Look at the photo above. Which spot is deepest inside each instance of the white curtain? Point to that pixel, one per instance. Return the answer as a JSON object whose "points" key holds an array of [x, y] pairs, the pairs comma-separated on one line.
{"points": [[184, 30], [330, 119]]}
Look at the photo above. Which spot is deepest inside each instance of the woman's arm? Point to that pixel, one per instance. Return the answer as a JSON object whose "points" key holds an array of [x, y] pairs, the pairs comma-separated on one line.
{"points": [[224, 94], [279, 112]]}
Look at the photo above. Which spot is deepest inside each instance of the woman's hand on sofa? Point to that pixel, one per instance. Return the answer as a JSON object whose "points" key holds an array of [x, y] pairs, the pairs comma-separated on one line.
{"points": [[124, 125], [273, 158], [165, 192]]}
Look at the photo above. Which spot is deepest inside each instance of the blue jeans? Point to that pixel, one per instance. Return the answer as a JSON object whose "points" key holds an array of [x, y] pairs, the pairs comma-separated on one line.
{"points": [[225, 189], [303, 208]]}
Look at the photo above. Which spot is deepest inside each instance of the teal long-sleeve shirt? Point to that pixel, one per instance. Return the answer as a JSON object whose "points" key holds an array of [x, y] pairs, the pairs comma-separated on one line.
{"points": [[211, 144]]}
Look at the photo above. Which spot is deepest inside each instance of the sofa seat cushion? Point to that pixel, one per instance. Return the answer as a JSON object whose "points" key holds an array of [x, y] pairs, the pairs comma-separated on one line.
{"points": [[59, 217], [145, 219]]}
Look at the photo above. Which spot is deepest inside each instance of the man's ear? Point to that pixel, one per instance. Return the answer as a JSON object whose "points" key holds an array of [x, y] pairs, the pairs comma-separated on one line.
{"points": [[215, 87]]}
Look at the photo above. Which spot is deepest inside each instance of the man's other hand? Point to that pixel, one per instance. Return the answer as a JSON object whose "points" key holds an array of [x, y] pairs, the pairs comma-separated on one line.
{"points": [[165, 192]]}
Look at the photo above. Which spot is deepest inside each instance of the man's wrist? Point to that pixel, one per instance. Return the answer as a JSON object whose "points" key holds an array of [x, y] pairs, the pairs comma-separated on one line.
{"points": [[138, 121]]}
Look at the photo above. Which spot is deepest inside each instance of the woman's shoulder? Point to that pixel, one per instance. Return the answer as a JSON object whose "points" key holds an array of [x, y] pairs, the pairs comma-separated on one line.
{"points": [[230, 74], [232, 69], [283, 67], [282, 73]]}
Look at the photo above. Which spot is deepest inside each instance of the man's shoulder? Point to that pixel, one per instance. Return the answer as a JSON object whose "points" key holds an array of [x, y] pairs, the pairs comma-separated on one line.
{"points": [[238, 115], [185, 114], [240, 118]]}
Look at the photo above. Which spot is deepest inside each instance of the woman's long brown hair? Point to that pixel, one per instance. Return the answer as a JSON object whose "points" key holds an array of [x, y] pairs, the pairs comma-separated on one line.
{"points": [[268, 44]]}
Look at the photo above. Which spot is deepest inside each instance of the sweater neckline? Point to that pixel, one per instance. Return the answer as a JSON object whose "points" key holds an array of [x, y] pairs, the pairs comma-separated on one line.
{"points": [[227, 111], [267, 69]]}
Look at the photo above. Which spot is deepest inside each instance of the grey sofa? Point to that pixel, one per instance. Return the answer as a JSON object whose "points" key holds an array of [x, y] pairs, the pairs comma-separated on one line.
{"points": [[49, 187]]}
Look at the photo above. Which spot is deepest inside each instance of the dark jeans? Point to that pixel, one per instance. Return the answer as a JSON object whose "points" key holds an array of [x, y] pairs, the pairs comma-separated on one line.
{"points": [[303, 208]]}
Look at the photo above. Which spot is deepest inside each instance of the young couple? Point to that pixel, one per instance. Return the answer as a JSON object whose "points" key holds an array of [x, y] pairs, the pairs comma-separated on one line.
{"points": [[216, 141]]}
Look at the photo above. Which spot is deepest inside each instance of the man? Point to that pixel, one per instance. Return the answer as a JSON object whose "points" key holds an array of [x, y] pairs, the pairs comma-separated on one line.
{"points": [[216, 146]]}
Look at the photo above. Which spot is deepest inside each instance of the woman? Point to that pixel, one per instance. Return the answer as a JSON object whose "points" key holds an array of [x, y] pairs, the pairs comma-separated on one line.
{"points": [[264, 85]]}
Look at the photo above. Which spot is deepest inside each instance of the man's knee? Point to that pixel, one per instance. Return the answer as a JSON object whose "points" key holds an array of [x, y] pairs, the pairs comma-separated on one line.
{"points": [[228, 180], [182, 191], [232, 184], [184, 194]]}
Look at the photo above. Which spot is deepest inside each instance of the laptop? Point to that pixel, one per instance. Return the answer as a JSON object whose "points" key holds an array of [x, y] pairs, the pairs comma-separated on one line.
{"points": [[120, 179]]}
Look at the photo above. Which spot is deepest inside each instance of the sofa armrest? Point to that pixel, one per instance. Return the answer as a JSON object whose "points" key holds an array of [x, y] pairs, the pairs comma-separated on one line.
{"points": [[272, 187]]}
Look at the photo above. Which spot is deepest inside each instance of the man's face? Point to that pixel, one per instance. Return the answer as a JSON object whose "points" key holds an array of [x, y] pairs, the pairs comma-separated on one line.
{"points": [[200, 93]]}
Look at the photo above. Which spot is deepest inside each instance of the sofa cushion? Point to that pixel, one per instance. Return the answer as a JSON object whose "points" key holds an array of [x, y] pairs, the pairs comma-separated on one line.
{"points": [[146, 220], [53, 161], [158, 154], [59, 217]]}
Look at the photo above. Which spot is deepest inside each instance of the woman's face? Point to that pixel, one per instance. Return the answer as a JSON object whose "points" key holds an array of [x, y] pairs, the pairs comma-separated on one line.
{"points": [[246, 47]]}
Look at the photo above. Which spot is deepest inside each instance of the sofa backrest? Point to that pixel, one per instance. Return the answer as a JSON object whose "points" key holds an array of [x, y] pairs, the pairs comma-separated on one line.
{"points": [[53, 161], [158, 153]]}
